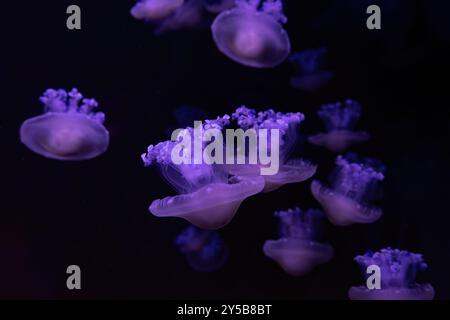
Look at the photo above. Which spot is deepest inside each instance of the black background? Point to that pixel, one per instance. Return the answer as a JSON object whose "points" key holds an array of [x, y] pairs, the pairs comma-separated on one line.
{"points": [[94, 213]]}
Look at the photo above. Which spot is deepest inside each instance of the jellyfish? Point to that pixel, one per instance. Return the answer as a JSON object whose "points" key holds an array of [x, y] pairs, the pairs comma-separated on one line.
{"points": [[340, 120], [209, 197], [189, 15], [155, 10], [251, 33], [66, 130], [216, 6], [204, 250], [310, 76], [354, 186], [290, 170], [398, 270], [298, 251]]}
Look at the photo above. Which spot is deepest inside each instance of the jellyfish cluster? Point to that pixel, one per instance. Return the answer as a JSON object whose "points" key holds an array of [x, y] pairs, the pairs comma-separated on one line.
{"points": [[209, 193]]}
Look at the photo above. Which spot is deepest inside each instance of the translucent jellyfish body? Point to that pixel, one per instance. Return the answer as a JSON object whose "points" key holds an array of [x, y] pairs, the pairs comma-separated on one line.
{"points": [[340, 120], [398, 269], [347, 201], [189, 15], [216, 6], [155, 10], [251, 33], [308, 64], [290, 170], [209, 197], [297, 251], [205, 250], [66, 130]]}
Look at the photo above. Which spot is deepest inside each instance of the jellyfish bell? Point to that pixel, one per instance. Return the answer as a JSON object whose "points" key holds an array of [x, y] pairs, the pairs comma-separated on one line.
{"points": [[339, 140], [205, 250], [346, 202], [398, 269], [216, 6], [293, 171], [155, 10], [251, 33], [188, 15], [66, 131], [297, 251]]}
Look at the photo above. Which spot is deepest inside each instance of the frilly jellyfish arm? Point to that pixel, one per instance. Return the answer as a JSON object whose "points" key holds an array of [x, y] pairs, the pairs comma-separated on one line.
{"points": [[295, 223], [340, 116], [398, 274]]}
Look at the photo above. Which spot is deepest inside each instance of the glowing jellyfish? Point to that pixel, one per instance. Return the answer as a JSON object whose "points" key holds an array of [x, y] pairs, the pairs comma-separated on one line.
{"points": [[66, 130], [216, 6], [189, 15], [155, 10], [398, 269], [310, 76], [290, 170], [297, 251], [205, 250], [352, 189], [251, 33], [209, 197], [340, 120]]}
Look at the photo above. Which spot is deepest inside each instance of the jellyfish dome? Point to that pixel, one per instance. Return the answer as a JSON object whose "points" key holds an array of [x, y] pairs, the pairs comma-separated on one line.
{"points": [[340, 120], [205, 250], [66, 130], [290, 170], [188, 15], [310, 76], [354, 186], [154, 10], [398, 270], [209, 198], [216, 6], [297, 251], [251, 33]]}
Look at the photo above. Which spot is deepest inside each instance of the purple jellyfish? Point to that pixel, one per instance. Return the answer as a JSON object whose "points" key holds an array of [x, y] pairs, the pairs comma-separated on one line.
{"points": [[290, 170], [353, 187], [398, 269], [340, 120], [155, 10], [205, 250], [189, 15], [66, 131], [298, 251], [209, 197], [251, 33], [216, 6], [310, 76]]}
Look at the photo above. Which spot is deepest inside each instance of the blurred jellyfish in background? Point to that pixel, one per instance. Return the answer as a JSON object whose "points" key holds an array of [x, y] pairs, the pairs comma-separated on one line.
{"points": [[340, 119], [398, 270], [155, 10], [297, 251], [66, 130], [290, 170], [216, 6], [204, 250], [252, 34], [310, 77], [209, 197], [354, 186]]}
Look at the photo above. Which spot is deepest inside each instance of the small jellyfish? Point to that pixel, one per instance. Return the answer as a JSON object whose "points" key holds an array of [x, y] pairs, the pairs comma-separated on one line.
{"points": [[205, 250], [310, 76], [297, 251], [340, 120], [251, 33], [155, 10], [290, 170], [398, 270], [209, 197], [354, 186], [66, 130], [189, 15], [216, 6]]}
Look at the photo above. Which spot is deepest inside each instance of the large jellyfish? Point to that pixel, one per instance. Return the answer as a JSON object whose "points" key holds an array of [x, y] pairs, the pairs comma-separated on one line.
{"points": [[251, 33], [340, 120], [66, 130], [354, 186], [209, 197], [290, 170], [205, 250], [216, 6], [398, 269], [297, 251], [155, 10], [310, 76]]}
